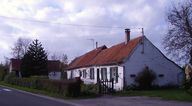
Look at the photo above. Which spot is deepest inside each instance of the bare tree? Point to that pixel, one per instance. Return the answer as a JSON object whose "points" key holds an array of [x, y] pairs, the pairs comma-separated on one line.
{"points": [[54, 57], [20, 47], [178, 41], [64, 59]]}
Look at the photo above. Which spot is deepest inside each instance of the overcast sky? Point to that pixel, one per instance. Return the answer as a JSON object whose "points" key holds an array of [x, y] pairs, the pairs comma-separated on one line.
{"points": [[64, 26]]}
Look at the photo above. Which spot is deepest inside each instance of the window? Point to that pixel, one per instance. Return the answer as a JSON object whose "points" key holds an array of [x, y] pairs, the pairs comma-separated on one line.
{"points": [[161, 75], [84, 74], [132, 75], [91, 73], [103, 73], [114, 73]]}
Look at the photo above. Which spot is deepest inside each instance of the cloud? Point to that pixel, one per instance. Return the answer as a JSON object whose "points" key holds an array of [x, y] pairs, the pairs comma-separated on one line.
{"points": [[58, 23]]}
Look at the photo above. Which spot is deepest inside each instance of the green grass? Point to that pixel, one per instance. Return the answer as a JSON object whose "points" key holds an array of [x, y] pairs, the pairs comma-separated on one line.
{"points": [[166, 94], [42, 92]]}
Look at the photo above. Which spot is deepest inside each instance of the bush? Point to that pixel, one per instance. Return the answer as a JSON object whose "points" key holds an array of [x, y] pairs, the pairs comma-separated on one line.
{"points": [[131, 87], [69, 88], [190, 91], [39, 77], [89, 89], [145, 78], [2, 74], [9, 77]]}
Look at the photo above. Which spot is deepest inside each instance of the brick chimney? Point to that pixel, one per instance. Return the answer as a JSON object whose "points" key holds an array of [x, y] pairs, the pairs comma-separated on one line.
{"points": [[127, 35]]}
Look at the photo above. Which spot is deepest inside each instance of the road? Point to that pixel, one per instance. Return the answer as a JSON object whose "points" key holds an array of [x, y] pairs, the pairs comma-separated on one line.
{"points": [[10, 97]]}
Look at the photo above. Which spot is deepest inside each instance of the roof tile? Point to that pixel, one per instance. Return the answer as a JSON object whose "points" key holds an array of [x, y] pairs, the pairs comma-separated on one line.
{"points": [[105, 56]]}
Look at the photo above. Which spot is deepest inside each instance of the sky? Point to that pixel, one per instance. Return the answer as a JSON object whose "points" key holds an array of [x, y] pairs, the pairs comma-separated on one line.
{"points": [[66, 26]]}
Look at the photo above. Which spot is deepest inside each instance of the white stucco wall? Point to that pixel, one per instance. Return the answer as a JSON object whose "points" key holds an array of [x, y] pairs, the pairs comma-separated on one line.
{"points": [[87, 80], [155, 61], [54, 75]]}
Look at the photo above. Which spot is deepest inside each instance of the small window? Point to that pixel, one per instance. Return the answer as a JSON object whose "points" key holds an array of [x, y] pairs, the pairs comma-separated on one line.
{"points": [[161, 75], [84, 74], [80, 74], [132, 75], [103, 73], [91, 73]]}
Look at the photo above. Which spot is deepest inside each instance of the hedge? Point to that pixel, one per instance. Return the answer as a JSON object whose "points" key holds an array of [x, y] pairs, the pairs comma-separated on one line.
{"points": [[2, 74], [70, 88]]}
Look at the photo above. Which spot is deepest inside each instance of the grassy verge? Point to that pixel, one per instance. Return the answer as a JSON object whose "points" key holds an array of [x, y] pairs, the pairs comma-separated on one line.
{"points": [[169, 94], [42, 92]]}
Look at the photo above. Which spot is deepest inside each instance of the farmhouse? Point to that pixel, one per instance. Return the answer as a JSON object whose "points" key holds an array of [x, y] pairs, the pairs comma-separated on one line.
{"points": [[53, 67], [123, 62]]}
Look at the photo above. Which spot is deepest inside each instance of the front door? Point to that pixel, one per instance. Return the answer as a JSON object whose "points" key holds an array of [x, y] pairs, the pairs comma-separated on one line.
{"points": [[98, 75]]}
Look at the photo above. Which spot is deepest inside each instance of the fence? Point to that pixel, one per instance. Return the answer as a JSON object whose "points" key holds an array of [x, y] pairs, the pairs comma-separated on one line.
{"points": [[106, 86]]}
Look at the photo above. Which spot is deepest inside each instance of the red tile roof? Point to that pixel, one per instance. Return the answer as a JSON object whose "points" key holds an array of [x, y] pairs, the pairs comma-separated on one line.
{"points": [[85, 59], [113, 55]]}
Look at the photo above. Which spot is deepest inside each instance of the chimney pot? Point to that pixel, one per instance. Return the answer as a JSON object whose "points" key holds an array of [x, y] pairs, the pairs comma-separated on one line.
{"points": [[127, 35], [96, 45]]}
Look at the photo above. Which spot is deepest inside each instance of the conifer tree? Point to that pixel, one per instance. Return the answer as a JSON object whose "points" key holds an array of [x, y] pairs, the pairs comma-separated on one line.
{"points": [[34, 61]]}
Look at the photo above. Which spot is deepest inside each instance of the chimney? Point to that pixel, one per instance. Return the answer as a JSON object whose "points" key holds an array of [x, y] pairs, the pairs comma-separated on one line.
{"points": [[96, 45], [127, 35]]}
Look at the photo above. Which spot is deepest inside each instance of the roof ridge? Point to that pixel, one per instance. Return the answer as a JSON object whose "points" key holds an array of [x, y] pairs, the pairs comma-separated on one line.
{"points": [[128, 42]]}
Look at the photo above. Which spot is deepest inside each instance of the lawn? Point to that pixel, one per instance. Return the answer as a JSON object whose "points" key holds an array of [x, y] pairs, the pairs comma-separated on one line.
{"points": [[166, 94]]}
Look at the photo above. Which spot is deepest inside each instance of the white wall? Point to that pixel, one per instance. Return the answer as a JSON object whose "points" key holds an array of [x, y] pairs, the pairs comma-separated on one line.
{"points": [[87, 80], [155, 61], [54, 75]]}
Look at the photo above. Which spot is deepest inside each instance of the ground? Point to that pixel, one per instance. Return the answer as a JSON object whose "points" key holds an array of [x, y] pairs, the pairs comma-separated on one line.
{"points": [[129, 101], [13, 97]]}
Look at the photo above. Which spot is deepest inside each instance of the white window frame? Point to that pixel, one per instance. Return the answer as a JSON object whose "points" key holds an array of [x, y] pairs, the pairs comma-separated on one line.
{"points": [[92, 75]]}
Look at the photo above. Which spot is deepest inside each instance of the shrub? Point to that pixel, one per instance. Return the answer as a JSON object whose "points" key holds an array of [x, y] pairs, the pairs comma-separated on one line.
{"points": [[131, 87], [65, 87], [89, 89], [190, 91], [9, 77], [145, 78], [39, 77], [2, 74]]}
